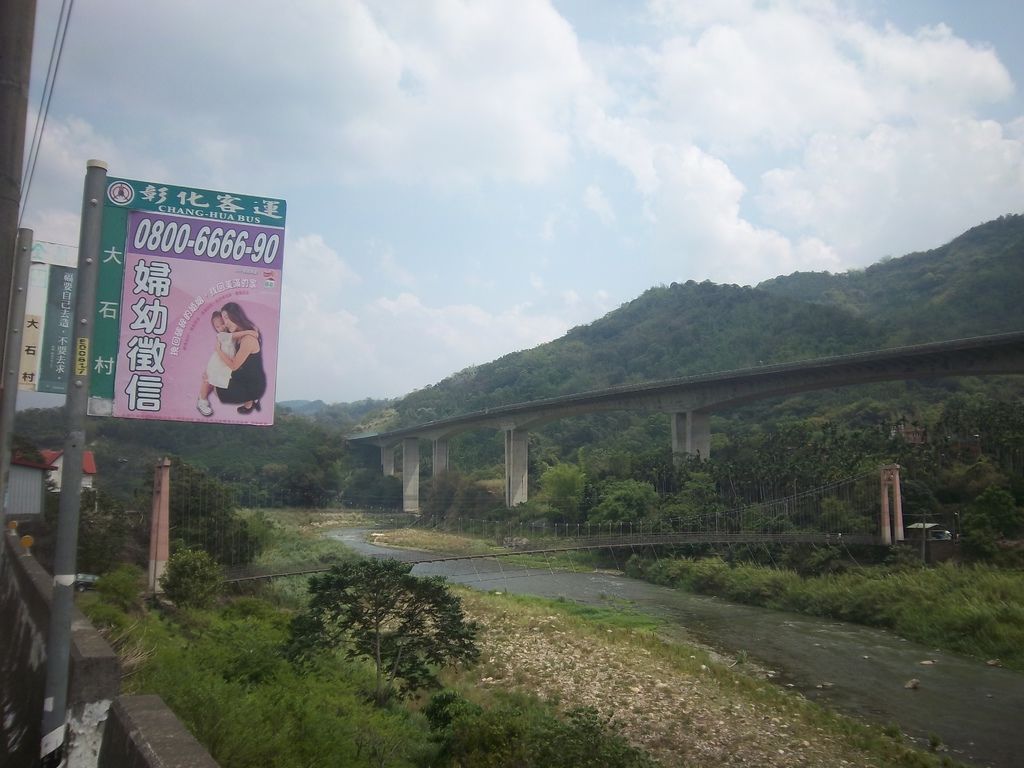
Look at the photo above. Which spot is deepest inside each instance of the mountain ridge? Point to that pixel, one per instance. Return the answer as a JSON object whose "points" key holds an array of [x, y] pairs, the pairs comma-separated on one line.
{"points": [[967, 287]]}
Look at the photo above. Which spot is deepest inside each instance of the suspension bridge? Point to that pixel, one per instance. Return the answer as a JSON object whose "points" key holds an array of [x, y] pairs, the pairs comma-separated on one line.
{"points": [[861, 510]]}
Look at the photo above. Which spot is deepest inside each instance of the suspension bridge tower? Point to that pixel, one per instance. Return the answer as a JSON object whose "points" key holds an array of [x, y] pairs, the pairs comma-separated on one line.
{"points": [[159, 529], [892, 529]]}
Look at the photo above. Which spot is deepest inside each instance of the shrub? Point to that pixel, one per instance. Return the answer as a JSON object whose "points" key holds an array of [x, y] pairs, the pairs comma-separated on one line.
{"points": [[525, 732], [109, 616], [121, 587], [193, 579]]}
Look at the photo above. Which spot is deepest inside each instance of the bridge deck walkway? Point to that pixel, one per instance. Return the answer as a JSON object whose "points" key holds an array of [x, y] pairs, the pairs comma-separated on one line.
{"points": [[252, 573]]}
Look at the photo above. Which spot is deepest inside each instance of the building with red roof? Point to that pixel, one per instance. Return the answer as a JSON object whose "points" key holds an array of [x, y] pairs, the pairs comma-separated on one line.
{"points": [[56, 463]]}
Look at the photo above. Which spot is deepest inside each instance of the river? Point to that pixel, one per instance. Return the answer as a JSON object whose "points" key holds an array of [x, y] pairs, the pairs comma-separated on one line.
{"points": [[977, 710]]}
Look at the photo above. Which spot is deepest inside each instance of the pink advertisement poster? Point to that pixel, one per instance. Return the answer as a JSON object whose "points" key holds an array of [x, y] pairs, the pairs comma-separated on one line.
{"points": [[199, 321]]}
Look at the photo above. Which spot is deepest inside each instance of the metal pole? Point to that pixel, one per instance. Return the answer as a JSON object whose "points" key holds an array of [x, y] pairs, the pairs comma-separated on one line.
{"points": [[58, 641], [17, 29], [16, 320]]}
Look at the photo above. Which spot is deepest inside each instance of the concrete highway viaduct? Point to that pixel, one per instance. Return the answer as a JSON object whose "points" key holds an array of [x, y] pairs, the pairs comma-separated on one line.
{"points": [[690, 401]]}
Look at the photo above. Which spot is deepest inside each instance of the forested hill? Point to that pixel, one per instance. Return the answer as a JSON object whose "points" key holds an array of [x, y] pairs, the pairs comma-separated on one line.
{"points": [[971, 286], [968, 287]]}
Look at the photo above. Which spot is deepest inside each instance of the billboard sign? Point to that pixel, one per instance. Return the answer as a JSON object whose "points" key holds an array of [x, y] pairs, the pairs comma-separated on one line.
{"points": [[46, 334], [188, 305]]}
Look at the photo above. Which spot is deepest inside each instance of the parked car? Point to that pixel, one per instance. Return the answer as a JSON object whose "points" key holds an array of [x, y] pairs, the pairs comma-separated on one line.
{"points": [[84, 581]]}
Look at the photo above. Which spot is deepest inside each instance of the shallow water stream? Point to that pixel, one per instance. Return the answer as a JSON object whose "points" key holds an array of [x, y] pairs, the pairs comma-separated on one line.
{"points": [[977, 710]]}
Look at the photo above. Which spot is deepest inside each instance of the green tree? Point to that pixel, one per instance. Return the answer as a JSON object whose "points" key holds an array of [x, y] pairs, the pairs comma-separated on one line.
{"points": [[440, 495], [992, 516], [562, 485], [192, 579], [107, 533], [1001, 510], [451, 495], [103, 530], [698, 497], [376, 609], [204, 516], [369, 488], [625, 500], [475, 500]]}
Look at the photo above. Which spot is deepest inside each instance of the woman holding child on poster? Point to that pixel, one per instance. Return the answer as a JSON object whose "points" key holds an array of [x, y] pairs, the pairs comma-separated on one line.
{"points": [[235, 369]]}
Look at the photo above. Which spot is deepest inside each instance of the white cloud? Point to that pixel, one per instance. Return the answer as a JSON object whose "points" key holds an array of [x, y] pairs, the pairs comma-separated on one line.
{"points": [[441, 93], [898, 189], [630, 142], [321, 332], [763, 81], [884, 120], [738, 139], [384, 256], [699, 223], [772, 74], [324, 352], [484, 91], [596, 201], [315, 267], [466, 328], [55, 196], [420, 344], [929, 74], [548, 227], [1015, 129]]}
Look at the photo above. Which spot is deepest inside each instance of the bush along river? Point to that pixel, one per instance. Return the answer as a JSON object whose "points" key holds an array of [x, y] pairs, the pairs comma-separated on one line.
{"points": [[976, 710]]}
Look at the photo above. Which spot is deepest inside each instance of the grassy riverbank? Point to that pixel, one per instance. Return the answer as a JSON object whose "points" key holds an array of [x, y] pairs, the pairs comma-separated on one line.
{"points": [[223, 672], [454, 544], [974, 610]]}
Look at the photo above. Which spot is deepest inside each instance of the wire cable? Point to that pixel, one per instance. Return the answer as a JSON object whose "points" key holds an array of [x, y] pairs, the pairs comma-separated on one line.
{"points": [[53, 69]]}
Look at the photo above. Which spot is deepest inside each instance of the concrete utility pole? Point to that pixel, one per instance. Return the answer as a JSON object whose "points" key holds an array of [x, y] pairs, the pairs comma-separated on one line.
{"points": [[17, 27], [19, 294], [58, 640]]}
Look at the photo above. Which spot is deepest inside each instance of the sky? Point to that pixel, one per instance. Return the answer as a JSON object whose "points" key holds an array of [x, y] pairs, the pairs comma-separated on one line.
{"points": [[469, 178]]}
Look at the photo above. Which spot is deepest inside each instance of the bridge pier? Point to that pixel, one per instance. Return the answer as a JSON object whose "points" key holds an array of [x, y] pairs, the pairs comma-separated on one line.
{"points": [[387, 460], [691, 434], [440, 456], [517, 446], [411, 474]]}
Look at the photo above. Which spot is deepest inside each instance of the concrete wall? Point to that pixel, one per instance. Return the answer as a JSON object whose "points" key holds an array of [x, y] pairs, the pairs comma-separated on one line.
{"points": [[143, 731], [95, 674]]}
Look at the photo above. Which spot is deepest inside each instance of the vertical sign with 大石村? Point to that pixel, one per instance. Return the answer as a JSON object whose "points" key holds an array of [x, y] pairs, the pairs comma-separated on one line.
{"points": [[32, 327], [187, 305]]}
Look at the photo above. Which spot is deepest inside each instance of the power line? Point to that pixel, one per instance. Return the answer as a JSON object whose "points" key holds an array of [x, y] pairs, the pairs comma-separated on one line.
{"points": [[52, 70]]}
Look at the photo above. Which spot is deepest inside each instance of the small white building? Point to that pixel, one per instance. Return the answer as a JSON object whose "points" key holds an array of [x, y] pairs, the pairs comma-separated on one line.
{"points": [[26, 487], [56, 460]]}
